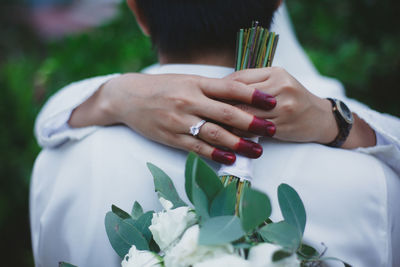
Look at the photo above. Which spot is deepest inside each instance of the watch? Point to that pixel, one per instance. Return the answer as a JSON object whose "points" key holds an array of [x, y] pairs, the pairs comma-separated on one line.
{"points": [[344, 119]]}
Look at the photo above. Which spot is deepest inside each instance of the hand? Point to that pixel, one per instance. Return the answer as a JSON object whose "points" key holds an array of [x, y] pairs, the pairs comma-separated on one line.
{"points": [[163, 107], [299, 116]]}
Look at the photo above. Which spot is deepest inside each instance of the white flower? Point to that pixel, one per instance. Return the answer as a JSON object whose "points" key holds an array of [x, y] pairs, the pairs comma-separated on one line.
{"points": [[168, 225], [187, 252], [225, 260], [261, 256], [140, 258]]}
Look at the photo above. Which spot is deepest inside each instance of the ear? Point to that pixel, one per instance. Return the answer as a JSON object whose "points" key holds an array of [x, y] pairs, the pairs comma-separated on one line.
{"points": [[140, 18], [279, 3]]}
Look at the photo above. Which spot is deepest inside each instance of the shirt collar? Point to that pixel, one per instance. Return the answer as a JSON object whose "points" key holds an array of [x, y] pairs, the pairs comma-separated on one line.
{"points": [[210, 71]]}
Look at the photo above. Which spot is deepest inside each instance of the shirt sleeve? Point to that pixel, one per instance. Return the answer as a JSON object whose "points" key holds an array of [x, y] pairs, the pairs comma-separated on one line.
{"points": [[51, 126], [387, 130]]}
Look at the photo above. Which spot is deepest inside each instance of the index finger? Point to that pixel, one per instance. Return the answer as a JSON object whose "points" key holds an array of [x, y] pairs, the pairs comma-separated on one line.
{"points": [[234, 90]]}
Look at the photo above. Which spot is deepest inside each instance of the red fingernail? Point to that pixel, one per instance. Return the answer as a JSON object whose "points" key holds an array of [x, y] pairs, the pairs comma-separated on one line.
{"points": [[262, 127], [248, 149], [263, 100], [223, 157]]}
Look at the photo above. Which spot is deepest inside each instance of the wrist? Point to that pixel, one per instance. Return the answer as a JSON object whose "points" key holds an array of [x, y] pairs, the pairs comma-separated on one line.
{"points": [[329, 127]]}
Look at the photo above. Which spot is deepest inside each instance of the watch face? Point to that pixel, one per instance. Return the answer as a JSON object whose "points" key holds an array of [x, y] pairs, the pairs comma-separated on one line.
{"points": [[345, 112]]}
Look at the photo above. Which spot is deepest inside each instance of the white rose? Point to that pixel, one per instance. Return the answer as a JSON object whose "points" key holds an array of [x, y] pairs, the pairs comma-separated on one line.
{"points": [[168, 225], [261, 256], [140, 258], [187, 252], [225, 260]]}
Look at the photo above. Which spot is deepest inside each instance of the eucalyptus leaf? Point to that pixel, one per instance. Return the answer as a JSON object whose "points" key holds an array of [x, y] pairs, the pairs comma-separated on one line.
{"points": [[282, 234], [307, 252], [64, 264], [200, 202], [206, 178], [142, 224], [164, 186], [121, 213], [292, 207], [189, 177], [280, 255], [225, 202], [254, 209], [220, 230], [137, 211], [123, 235]]}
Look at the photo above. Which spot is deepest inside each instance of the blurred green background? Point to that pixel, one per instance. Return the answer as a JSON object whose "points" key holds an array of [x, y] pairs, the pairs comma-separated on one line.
{"points": [[355, 41]]}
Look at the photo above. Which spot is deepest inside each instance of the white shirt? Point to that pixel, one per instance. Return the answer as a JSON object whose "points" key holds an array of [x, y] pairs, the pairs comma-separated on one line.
{"points": [[350, 197]]}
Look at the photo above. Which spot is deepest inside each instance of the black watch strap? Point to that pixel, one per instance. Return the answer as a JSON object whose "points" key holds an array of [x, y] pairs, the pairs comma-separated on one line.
{"points": [[340, 110]]}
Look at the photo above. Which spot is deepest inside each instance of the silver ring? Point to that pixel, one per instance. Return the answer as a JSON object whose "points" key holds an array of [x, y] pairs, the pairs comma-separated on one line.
{"points": [[195, 129]]}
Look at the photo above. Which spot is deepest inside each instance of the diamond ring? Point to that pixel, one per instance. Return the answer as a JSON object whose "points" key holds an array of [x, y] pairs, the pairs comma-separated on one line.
{"points": [[195, 129]]}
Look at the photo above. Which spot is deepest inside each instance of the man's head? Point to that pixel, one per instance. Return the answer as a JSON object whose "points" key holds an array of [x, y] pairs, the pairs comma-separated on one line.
{"points": [[182, 28]]}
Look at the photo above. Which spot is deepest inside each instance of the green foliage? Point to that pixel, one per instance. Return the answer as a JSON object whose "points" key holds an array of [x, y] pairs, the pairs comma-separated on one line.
{"points": [[164, 186], [355, 41], [137, 210], [220, 230], [255, 208], [123, 235], [282, 234], [64, 264], [292, 208], [224, 203]]}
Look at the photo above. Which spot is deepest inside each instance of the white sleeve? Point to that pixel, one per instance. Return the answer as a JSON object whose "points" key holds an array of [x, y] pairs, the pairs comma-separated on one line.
{"points": [[387, 129], [51, 126]]}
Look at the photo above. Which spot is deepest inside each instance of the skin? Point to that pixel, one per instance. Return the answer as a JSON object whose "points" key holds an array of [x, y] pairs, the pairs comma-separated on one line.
{"points": [[271, 102]]}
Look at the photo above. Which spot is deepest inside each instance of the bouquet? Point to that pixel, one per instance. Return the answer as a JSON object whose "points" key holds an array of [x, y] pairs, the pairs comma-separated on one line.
{"points": [[209, 233]]}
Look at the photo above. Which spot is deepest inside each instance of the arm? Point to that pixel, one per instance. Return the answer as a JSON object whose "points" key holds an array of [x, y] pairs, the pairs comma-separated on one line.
{"points": [[171, 104], [301, 116]]}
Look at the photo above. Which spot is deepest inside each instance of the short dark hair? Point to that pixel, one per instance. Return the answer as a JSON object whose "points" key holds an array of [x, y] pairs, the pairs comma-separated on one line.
{"points": [[181, 27]]}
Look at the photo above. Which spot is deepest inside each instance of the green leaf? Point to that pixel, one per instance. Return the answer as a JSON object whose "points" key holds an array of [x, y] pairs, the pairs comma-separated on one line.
{"points": [[123, 235], [206, 178], [220, 230], [224, 203], [189, 177], [137, 211], [142, 224], [282, 234], [64, 264], [292, 207], [200, 202], [164, 186], [307, 252], [254, 208], [120, 213], [280, 255]]}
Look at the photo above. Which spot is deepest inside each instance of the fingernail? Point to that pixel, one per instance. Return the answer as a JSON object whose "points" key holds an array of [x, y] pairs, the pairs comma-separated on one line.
{"points": [[262, 127], [263, 100], [223, 157], [248, 149]]}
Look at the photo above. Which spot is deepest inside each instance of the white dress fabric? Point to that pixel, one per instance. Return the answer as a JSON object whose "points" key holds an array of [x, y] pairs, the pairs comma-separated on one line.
{"points": [[350, 196]]}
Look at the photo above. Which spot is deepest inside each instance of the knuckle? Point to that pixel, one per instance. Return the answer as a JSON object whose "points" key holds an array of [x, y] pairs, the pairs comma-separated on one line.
{"points": [[214, 135], [243, 107], [196, 147], [289, 107], [227, 114]]}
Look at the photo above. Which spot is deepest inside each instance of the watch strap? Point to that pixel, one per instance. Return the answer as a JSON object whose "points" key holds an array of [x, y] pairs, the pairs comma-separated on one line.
{"points": [[343, 125]]}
